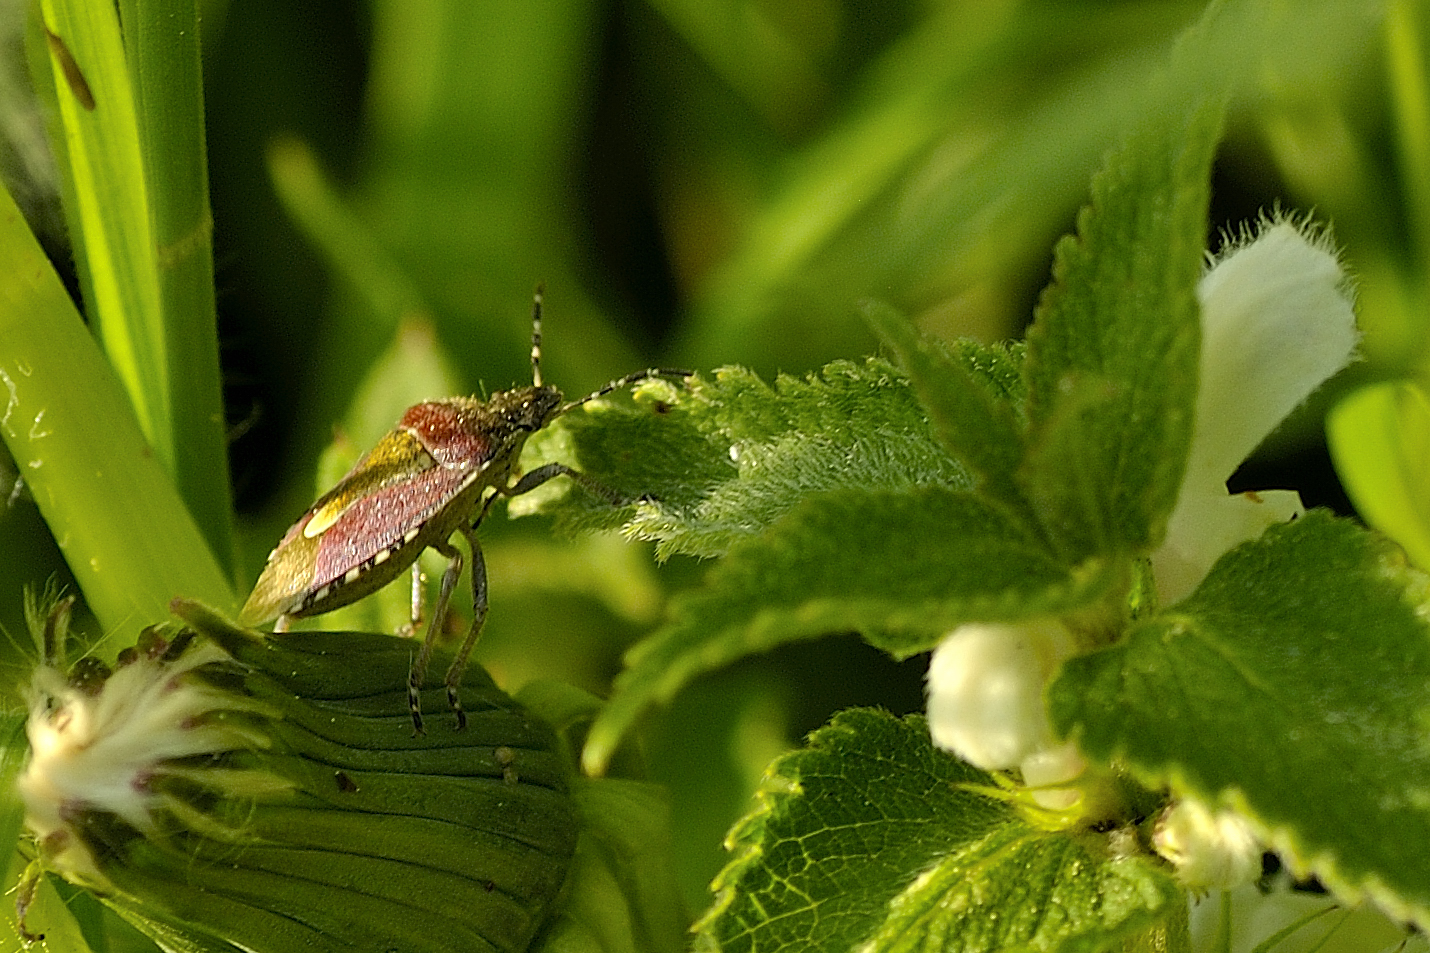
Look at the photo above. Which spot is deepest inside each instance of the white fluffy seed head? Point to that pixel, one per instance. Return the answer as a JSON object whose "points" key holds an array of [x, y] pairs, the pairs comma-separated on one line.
{"points": [[98, 749]]}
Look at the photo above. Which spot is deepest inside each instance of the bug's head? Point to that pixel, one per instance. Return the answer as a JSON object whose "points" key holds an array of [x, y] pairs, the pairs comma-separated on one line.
{"points": [[527, 408]]}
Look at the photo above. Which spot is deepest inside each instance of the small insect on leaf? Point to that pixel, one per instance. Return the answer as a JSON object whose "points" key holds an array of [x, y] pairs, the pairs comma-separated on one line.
{"points": [[74, 76], [436, 474]]}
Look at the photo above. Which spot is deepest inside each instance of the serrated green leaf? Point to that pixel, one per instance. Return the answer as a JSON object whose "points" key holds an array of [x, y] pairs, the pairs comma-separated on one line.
{"points": [[1112, 353], [1291, 686], [1019, 887], [720, 460], [870, 839], [977, 424], [901, 568]]}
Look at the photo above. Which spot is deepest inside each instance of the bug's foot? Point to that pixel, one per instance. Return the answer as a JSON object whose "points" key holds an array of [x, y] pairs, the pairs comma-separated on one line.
{"points": [[414, 704], [456, 703]]}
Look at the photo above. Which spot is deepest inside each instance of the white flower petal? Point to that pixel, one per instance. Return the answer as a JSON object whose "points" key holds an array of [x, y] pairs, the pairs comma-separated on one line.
{"points": [[1205, 525], [985, 686], [1044, 770], [1276, 323]]}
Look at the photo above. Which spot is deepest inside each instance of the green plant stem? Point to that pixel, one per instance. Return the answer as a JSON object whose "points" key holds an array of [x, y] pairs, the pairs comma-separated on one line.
{"points": [[162, 46], [130, 134]]}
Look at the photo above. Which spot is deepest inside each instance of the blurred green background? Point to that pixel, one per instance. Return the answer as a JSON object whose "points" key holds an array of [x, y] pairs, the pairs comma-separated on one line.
{"points": [[700, 183]]}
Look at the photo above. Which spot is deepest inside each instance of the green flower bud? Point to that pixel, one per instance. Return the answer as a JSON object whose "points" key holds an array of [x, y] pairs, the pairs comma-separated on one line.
{"points": [[229, 791]]}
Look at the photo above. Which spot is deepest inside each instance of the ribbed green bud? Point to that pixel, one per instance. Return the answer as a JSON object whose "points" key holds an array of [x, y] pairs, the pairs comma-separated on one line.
{"points": [[226, 791]]}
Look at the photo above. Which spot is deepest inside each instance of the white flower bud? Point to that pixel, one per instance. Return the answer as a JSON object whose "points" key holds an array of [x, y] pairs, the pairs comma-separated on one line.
{"points": [[1276, 323], [985, 686], [1212, 850]]}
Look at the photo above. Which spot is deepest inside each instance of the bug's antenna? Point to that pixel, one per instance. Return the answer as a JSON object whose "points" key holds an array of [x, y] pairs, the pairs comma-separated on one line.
{"points": [[536, 335], [626, 381]]}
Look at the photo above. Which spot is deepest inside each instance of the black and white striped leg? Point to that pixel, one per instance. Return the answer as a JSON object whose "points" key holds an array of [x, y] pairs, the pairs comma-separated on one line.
{"points": [[479, 616], [418, 672]]}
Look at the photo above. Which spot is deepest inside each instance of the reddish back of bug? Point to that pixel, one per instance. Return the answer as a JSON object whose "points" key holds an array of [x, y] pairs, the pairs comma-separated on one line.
{"points": [[420, 483]]}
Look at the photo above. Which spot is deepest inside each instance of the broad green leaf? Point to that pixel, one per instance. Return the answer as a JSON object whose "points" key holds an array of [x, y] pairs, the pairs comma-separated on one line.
{"points": [[621, 896], [870, 839], [1380, 439], [1022, 887], [1112, 353], [899, 567], [717, 460], [1291, 687]]}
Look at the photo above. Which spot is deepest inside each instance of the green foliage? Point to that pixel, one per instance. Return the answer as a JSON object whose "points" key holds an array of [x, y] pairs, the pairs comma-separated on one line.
{"points": [[870, 838], [1112, 353], [130, 136], [1291, 686], [1059, 492], [722, 459], [755, 171], [130, 540]]}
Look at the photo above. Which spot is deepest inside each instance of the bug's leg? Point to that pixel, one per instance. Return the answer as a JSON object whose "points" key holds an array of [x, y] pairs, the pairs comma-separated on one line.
{"points": [[282, 623], [418, 598], [479, 615], [418, 672], [542, 474], [25, 896]]}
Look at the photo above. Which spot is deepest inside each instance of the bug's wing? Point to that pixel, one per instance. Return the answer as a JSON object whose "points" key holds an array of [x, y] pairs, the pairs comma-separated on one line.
{"points": [[396, 459], [386, 497], [284, 580], [374, 528]]}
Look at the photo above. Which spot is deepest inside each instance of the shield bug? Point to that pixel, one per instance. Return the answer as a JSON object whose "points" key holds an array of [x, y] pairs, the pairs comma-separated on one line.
{"points": [[434, 475]]}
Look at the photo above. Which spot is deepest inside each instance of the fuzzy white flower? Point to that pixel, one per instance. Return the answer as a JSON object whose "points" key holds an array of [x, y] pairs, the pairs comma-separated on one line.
{"points": [[1212, 850], [1276, 322]]}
